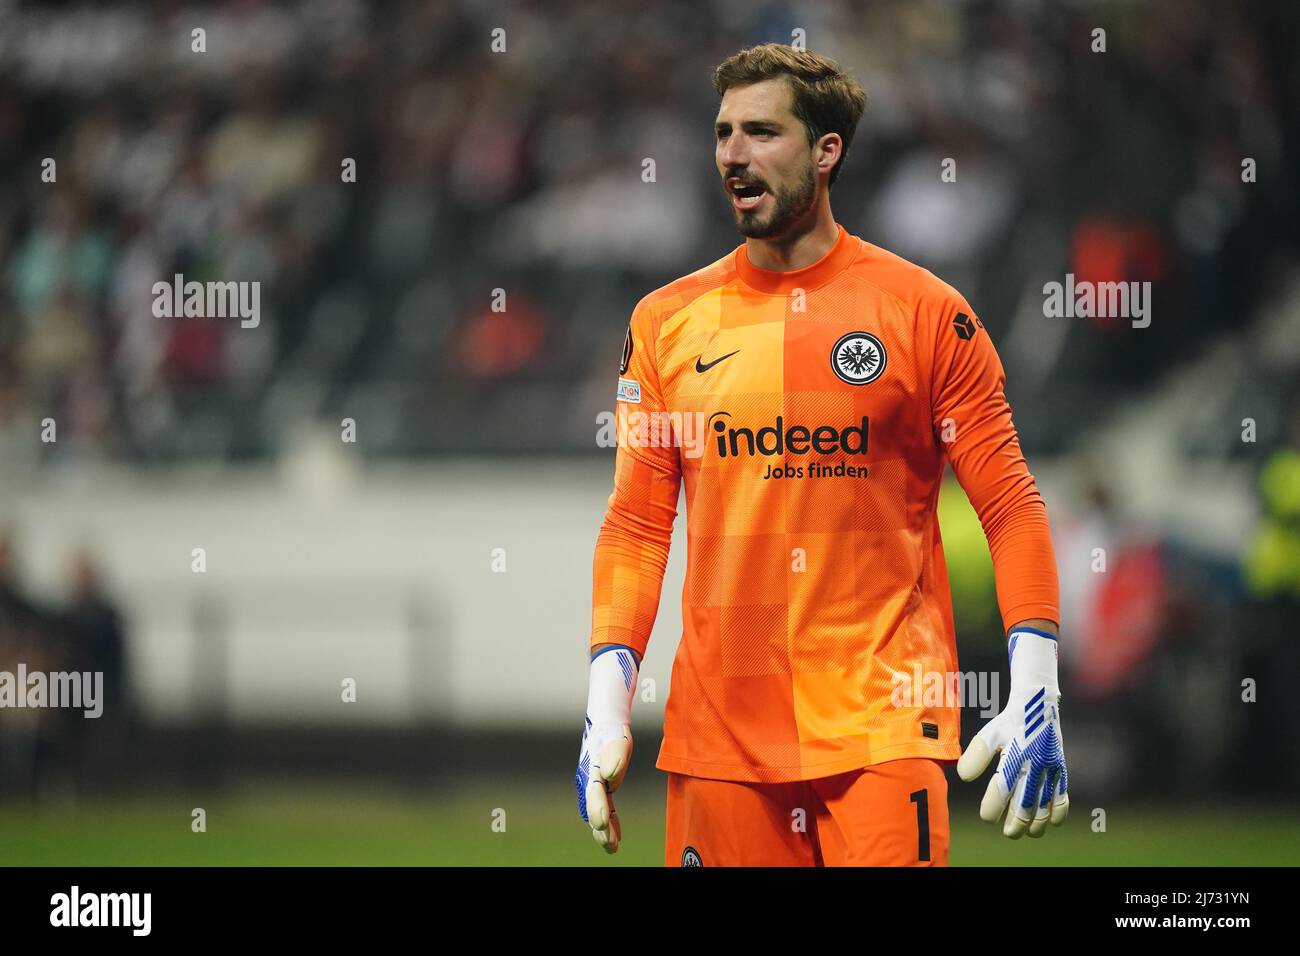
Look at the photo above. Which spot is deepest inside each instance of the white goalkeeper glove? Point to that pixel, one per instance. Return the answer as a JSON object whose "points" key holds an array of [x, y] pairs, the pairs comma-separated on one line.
{"points": [[606, 742], [1031, 774]]}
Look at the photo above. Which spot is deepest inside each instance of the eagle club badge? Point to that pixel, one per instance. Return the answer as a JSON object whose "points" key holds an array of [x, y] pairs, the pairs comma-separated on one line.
{"points": [[858, 358]]}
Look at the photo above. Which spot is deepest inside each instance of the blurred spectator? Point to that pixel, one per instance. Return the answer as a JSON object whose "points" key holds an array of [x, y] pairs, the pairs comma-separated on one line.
{"points": [[94, 632], [25, 641]]}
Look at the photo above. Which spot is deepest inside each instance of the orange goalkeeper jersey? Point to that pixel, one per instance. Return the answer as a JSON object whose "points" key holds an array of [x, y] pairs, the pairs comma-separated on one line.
{"points": [[810, 415]]}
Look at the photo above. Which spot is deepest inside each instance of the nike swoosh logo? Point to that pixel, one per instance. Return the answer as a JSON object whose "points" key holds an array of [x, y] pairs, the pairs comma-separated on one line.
{"points": [[705, 366]]}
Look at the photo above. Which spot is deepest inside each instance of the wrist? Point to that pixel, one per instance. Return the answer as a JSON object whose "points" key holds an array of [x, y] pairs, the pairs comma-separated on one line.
{"points": [[611, 686], [1032, 654]]}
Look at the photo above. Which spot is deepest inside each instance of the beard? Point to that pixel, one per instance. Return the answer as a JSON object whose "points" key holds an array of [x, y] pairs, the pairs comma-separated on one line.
{"points": [[789, 206]]}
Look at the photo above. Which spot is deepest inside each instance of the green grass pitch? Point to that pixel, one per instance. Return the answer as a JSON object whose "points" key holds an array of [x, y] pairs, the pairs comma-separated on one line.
{"points": [[517, 824]]}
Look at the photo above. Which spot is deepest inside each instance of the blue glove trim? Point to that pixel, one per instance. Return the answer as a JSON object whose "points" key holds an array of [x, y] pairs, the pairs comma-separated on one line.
{"points": [[1034, 713], [1032, 630], [583, 773], [615, 647]]}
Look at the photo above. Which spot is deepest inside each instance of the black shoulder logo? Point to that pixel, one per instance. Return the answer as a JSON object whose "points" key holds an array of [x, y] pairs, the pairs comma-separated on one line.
{"points": [[966, 326]]}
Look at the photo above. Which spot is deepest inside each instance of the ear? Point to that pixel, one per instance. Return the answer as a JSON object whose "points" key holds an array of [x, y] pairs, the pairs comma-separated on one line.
{"points": [[827, 152]]}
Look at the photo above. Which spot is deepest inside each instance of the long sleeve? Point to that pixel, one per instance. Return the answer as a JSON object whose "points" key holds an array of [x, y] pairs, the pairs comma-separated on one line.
{"points": [[973, 419], [632, 546]]}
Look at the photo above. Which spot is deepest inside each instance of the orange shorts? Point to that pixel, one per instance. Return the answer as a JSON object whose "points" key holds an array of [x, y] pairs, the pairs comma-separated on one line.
{"points": [[889, 814]]}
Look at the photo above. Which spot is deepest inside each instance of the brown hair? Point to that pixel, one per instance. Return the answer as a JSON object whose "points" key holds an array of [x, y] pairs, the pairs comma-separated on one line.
{"points": [[826, 100]]}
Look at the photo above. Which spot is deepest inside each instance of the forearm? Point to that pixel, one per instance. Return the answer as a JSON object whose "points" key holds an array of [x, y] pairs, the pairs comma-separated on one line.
{"points": [[1024, 559], [627, 581], [632, 554], [1014, 519]]}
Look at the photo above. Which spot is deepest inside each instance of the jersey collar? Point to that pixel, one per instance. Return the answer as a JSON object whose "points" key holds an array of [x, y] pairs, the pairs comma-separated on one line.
{"points": [[807, 278]]}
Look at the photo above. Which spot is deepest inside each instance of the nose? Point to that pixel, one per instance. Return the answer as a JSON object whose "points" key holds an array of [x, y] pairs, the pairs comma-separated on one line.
{"points": [[732, 154]]}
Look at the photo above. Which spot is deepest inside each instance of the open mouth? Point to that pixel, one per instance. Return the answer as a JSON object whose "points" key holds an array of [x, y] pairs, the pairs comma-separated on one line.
{"points": [[745, 195]]}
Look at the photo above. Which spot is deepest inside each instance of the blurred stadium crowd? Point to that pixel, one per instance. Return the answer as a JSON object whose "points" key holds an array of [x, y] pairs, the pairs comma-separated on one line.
{"points": [[522, 170]]}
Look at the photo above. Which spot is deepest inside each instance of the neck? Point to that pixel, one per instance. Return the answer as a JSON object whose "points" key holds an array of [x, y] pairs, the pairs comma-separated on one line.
{"points": [[803, 245]]}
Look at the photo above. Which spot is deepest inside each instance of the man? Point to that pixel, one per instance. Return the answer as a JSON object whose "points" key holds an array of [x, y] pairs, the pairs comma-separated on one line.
{"points": [[814, 386]]}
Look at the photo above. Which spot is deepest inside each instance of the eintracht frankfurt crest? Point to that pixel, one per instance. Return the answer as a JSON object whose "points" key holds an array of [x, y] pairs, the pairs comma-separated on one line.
{"points": [[858, 358]]}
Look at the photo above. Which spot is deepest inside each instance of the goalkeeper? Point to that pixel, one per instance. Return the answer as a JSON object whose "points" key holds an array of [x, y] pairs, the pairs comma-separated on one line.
{"points": [[816, 387]]}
